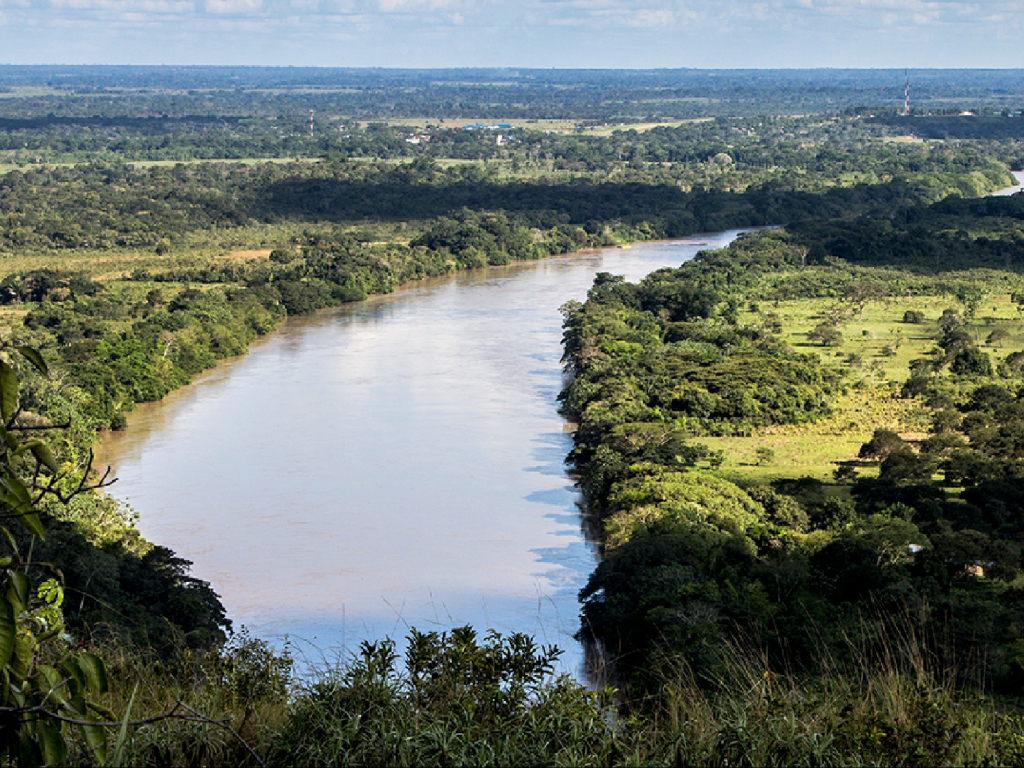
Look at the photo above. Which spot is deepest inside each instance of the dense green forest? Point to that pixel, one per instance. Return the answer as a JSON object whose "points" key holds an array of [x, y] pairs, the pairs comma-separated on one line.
{"points": [[755, 612]]}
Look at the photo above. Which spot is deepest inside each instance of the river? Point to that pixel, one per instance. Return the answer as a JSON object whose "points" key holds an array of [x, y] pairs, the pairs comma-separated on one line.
{"points": [[392, 463], [1006, 191]]}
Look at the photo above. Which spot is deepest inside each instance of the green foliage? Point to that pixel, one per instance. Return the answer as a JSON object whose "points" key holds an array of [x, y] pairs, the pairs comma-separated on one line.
{"points": [[913, 316], [459, 700], [47, 684]]}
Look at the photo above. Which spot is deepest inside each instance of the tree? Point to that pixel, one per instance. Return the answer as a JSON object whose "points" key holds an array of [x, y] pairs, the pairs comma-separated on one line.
{"points": [[863, 292], [881, 444], [827, 335], [970, 296], [997, 337], [913, 316]]}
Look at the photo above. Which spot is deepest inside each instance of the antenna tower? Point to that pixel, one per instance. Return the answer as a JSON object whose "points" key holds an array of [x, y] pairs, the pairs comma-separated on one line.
{"points": [[906, 94], [311, 123]]}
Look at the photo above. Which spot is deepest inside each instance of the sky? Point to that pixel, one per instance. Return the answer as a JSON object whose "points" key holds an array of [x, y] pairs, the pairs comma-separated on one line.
{"points": [[509, 33]]}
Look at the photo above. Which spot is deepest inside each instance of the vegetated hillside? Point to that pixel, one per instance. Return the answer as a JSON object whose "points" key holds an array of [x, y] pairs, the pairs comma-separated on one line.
{"points": [[916, 536]]}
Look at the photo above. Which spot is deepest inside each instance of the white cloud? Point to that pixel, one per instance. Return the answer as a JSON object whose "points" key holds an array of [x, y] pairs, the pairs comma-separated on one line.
{"points": [[409, 6], [233, 6], [127, 6]]}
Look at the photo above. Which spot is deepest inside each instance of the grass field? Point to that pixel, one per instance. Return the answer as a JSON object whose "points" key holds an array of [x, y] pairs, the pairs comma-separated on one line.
{"points": [[874, 355], [607, 130]]}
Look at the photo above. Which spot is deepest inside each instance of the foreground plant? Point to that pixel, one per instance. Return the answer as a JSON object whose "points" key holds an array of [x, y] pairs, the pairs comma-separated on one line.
{"points": [[46, 681]]}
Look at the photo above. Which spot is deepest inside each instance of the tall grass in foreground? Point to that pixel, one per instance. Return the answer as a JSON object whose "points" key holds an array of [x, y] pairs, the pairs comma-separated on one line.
{"points": [[893, 700], [457, 699]]}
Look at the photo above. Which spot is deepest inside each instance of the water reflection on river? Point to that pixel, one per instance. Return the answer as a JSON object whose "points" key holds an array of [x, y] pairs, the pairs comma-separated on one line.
{"points": [[393, 463]]}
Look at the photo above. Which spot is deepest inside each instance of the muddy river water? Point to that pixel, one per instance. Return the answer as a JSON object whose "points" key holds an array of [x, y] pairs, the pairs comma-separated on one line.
{"points": [[392, 463]]}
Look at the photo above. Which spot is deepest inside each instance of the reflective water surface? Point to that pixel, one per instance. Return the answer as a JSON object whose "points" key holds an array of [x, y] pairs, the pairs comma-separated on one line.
{"points": [[1019, 176], [392, 463]]}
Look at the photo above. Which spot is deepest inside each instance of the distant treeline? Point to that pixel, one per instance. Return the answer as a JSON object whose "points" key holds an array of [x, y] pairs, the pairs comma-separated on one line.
{"points": [[115, 206], [987, 127], [505, 93]]}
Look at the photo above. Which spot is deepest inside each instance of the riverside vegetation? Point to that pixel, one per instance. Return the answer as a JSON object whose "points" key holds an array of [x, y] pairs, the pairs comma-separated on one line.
{"points": [[799, 453]]}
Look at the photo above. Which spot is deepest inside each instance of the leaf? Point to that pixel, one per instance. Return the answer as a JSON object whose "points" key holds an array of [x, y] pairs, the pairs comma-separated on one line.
{"points": [[51, 687], [104, 713], [51, 742], [8, 629], [19, 590], [73, 670], [31, 521], [96, 740], [94, 670], [122, 737], [14, 494], [44, 456], [8, 391], [51, 592], [33, 356], [10, 439], [21, 658], [16, 489], [9, 538]]}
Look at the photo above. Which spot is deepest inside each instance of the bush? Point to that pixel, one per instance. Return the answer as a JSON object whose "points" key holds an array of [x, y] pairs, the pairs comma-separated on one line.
{"points": [[913, 316]]}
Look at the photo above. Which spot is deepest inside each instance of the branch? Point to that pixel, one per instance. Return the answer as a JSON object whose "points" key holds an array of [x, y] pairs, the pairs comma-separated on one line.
{"points": [[37, 428]]}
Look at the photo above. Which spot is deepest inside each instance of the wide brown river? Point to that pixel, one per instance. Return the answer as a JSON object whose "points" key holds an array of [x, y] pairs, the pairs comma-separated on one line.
{"points": [[392, 463]]}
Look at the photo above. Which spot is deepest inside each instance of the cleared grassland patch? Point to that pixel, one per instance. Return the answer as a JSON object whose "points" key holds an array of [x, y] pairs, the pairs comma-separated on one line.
{"points": [[874, 356], [608, 130], [259, 253]]}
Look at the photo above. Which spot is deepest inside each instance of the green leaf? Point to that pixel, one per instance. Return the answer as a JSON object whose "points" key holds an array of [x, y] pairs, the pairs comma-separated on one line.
{"points": [[19, 590], [15, 495], [102, 712], [44, 456], [9, 538], [76, 705], [72, 669], [94, 670], [51, 742], [51, 687], [9, 439], [8, 629], [8, 391], [122, 736], [31, 521], [21, 658], [96, 740], [33, 356], [16, 490]]}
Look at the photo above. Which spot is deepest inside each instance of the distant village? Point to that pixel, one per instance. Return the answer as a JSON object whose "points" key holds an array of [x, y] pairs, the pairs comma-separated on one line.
{"points": [[500, 139]]}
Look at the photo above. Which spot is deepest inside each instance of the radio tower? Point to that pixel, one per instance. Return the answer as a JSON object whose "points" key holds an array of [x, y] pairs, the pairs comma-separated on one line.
{"points": [[906, 94], [311, 123]]}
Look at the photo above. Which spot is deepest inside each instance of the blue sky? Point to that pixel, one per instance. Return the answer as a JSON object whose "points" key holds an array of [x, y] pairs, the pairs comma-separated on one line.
{"points": [[530, 33]]}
